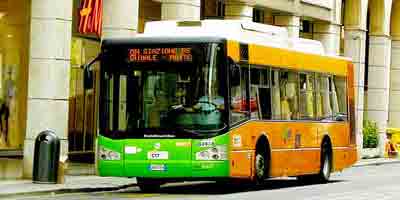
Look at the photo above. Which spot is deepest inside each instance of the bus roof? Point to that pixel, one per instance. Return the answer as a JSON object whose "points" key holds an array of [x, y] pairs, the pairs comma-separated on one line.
{"points": [[160, 40], [218, 30], [282, 50], [238, 30]]}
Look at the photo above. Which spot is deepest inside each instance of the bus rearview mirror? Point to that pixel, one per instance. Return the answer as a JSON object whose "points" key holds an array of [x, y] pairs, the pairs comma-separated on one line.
{"points": [[235, 74], [88, 73], [87, 78]]}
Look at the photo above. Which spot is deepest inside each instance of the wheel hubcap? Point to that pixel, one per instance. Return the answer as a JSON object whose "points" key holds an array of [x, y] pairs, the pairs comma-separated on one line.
{"points": [[325, 168], [260, 166]]}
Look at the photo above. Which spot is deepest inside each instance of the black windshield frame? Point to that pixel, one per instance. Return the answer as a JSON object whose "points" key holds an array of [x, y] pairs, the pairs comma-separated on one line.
{"points": [[107, 57]]}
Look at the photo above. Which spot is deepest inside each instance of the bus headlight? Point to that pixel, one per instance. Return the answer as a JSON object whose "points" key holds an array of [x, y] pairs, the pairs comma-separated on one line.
{"points": [[213, 153], [107, 154]]}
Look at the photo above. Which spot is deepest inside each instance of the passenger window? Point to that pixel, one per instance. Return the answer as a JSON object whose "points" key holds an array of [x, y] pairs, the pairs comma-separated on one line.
{"points": [[276, 95], [307, 101], [340, 91], [323, 89], [333, 96], [289, 95], [260, 93], [239, 106]]}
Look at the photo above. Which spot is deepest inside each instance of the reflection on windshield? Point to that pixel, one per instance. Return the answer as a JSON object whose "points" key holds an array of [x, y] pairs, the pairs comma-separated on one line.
{"points": [[166, 96], [171, 100]]}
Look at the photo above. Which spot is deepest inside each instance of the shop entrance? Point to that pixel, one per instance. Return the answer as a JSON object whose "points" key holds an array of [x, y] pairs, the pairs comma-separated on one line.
{"points": [[14, 59], [82, 103]]}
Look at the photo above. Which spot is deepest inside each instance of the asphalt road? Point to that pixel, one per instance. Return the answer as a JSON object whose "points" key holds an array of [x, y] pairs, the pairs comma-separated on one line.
{"points": [[368, 182]]}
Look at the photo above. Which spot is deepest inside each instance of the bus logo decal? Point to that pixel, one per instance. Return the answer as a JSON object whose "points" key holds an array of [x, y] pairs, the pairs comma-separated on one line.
{"points": [[297, 142], [183, 144], [130, 150], [206, 143], [157, 145], [237, 141], [287, 134]]}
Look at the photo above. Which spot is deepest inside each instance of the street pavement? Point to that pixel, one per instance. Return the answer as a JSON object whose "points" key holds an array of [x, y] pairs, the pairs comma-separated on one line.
{"points": [[358, 183]]}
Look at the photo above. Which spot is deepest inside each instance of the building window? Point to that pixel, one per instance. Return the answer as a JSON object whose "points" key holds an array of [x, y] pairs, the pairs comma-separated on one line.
{"points": [[212, 9], [220, 9], [258, 15], [306, 26]]}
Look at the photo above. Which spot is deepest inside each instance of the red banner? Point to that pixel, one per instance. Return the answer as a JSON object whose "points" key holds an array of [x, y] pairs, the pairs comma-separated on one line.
{"points": [[90, 17]]}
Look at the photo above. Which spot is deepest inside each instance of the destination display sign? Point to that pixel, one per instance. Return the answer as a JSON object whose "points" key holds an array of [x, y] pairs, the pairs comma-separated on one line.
{"points": [[143, 55]]}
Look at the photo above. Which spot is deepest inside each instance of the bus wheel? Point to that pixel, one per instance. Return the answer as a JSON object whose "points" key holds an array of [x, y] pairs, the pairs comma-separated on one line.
{"points": [[326, 164], [260, 166], [148, 185], [306, 178]]}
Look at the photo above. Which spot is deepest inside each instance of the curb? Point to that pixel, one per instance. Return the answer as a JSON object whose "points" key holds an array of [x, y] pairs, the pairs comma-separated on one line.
{"points": [[67, 190], [377, 163]]}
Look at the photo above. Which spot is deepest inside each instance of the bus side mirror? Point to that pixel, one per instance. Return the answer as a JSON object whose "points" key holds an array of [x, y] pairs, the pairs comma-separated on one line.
{"points": [[88, 73], [87, 77]]}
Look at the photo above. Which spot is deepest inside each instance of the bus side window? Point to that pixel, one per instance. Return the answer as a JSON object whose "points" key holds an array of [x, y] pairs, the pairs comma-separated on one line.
{"points": [[307, 100], [323, 100], [239, 110], [333, 96], [289, 95], [341, 98], [275, 95], [260, 93]]}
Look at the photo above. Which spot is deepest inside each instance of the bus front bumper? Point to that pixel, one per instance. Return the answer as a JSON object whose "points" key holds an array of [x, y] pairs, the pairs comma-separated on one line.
{"points": [[164, 169]]}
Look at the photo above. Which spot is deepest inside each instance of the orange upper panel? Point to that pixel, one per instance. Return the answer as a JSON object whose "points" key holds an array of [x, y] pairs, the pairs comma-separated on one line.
{"points": [[285, 58]]}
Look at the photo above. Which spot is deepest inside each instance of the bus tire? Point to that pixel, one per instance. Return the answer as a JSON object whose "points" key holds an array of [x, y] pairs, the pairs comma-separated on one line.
{"points": [[148, 185], [261, 165], [326, 163], [306, 179], [325, 170]]}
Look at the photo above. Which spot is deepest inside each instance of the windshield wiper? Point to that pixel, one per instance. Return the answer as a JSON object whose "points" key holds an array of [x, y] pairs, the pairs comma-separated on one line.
{"points": [[203, 131]]}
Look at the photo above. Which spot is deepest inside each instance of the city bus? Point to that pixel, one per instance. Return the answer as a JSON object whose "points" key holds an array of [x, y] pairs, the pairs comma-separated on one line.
{"points": [[223, 100]]}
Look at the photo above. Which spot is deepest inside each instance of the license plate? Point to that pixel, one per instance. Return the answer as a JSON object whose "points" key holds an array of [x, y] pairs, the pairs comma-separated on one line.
{"points": [[157, 155], [157, 167]]}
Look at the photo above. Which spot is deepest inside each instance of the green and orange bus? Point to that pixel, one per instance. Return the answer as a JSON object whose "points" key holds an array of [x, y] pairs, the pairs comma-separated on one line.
{"points": [[185, 101]]}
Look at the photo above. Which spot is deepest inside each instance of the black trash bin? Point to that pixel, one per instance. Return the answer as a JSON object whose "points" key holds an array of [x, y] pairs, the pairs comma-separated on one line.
{"points": [[46, 157]]}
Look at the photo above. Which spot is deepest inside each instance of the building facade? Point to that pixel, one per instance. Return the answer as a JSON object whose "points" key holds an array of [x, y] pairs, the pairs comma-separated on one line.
{"points": [[42, 49]]}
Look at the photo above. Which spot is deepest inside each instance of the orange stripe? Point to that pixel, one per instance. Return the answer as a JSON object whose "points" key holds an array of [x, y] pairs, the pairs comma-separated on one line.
{"points": [[287, 159], [233, 50], [289, 59]]}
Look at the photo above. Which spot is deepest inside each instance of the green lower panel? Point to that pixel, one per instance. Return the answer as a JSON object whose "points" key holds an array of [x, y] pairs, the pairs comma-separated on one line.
{"points": [[210, 169], [164, 158], [111, 168]]}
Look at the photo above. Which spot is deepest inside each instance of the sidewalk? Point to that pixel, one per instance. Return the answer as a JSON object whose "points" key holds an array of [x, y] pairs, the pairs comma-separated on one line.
{"points": [[74, 184], [376, 161]]}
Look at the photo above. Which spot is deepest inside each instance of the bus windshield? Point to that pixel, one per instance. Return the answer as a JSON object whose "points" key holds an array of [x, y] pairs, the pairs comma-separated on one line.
{"points": [[160, 92]]}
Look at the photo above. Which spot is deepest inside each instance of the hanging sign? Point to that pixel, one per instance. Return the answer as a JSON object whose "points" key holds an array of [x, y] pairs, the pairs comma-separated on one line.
{"points": [[90, 17]]}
